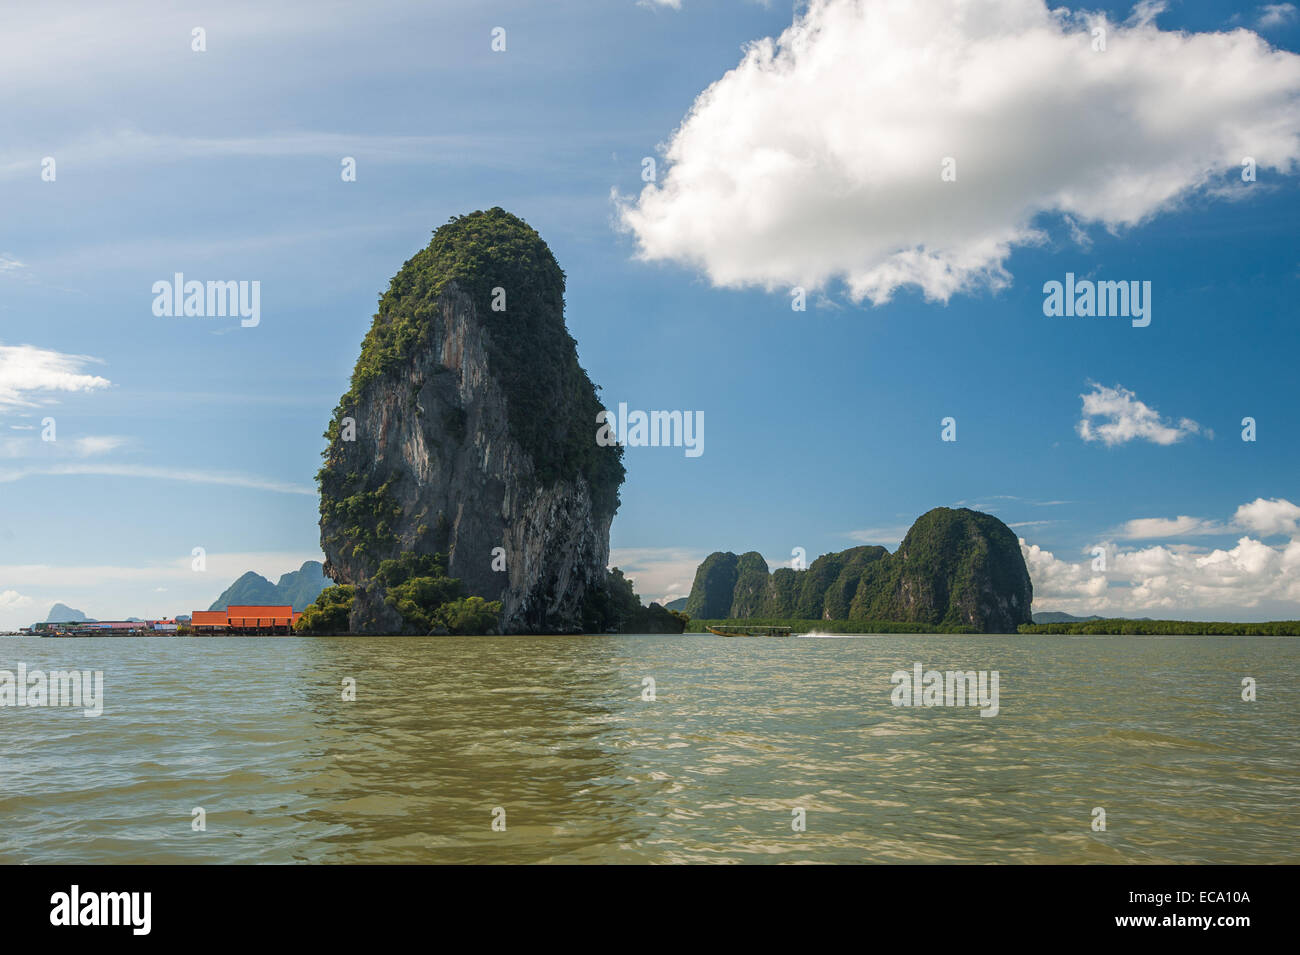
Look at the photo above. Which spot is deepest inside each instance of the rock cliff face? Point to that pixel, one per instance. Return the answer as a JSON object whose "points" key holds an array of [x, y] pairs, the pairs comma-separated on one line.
{"points": [[470, 431], [713, 591], [956, 568]]}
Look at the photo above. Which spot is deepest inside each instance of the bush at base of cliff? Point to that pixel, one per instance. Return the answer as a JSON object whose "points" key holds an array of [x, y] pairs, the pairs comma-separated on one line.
{"points": [[417, 587], [470, 615], [328, 614], [656, 619]]}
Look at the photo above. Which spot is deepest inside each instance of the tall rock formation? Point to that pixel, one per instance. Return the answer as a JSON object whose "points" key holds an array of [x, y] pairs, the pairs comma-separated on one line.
{"points": [[714, 589], [470, 431], [955, 569], [958, 568]]}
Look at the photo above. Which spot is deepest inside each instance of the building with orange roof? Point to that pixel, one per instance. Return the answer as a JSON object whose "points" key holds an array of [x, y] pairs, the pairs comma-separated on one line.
{"points": [[246, 619], [207, 620]]}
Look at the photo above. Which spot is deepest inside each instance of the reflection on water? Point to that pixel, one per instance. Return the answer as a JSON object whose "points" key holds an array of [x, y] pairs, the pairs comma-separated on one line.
{"points": [[554, 731]]}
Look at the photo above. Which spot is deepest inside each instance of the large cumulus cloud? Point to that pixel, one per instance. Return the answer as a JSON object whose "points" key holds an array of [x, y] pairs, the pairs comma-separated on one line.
{"points": [[819, 156]]}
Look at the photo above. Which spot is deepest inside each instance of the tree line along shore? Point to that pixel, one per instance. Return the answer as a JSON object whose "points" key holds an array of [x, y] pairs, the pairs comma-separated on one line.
{"points": [[1099, 628]]}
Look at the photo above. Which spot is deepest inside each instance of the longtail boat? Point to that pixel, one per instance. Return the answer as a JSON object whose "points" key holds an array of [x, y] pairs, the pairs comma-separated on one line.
{"points": [[750, 631]]}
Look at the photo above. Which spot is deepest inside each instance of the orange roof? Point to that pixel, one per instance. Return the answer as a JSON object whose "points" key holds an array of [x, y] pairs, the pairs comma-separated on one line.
{"points": [[257, 610], [208, 618]]}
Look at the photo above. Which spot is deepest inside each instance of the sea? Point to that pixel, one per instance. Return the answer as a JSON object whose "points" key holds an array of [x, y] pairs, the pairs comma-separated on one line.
{"points": [[655, 749]]}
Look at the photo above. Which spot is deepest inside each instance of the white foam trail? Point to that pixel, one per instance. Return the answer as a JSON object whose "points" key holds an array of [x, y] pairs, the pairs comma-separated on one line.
{"points": [[818, 635]]}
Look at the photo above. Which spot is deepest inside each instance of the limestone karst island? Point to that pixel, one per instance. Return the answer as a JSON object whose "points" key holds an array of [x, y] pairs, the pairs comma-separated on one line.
{"points": [[463, 488], [464, 491]]}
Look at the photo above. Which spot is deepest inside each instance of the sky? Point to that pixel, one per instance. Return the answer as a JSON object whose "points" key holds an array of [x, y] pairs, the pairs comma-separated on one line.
{"points": [[916, 173]]}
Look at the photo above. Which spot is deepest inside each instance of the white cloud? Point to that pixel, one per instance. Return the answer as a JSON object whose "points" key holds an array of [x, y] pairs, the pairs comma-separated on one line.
{"points": [[28, 446], [97, 444], [1275, 15], [1124, 418], [1152, 528], [11, 266], [177, 571], [27, 371], [1179, 579], [132, 146], [1165, 579], [13, 600], [818, 157], [1267, 518], [201, 476], [889, 537], [658, 573]]}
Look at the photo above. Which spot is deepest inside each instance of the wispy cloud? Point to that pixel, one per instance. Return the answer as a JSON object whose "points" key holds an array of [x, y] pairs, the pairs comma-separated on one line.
{"points": [[138, 147], [28, 373], [1156, 528], [222, 569], [658, 573], [228, 479], [1275, 15], [97, 444], [9, 266], [1263, 517], [885, 536]]}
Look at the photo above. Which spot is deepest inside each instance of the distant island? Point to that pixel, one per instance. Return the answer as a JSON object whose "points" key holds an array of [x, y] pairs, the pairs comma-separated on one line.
{"points": [[1056, 616], [62, 613], [298, 588], [956, 570]]}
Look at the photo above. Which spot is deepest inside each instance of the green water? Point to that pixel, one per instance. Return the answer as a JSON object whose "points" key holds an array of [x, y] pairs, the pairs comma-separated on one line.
{"points": [[554, 731]]}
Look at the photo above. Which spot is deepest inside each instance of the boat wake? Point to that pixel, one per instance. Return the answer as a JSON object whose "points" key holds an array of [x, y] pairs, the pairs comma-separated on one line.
{"points": [[819, 635]]}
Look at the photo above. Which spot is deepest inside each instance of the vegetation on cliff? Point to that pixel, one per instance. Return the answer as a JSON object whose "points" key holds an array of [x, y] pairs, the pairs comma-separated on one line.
{"points": [[714, 589], [957, 569], [827, 626], [418, 588], [469, 430], [328, 614], [531, 354]]}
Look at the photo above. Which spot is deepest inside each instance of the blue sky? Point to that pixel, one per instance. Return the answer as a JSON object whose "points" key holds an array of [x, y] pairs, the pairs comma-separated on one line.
{"points": [[822, 427]]}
